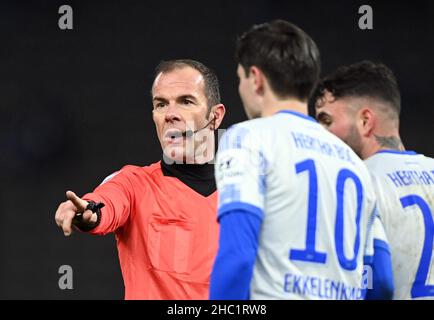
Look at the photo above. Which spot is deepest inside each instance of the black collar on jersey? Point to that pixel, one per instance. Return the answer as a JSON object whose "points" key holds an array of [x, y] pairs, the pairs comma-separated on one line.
{"points": [[199, 177]]}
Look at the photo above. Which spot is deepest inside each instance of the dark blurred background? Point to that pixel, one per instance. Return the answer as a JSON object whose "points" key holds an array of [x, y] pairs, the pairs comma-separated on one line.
{"points": [[75, 106]]}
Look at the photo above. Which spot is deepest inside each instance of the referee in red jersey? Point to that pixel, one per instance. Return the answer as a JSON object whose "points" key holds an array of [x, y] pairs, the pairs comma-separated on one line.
{"points": [[164, 214]]}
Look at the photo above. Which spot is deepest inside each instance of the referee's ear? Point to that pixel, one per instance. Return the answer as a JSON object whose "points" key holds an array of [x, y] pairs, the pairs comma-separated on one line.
{"points": [[218, 112]]}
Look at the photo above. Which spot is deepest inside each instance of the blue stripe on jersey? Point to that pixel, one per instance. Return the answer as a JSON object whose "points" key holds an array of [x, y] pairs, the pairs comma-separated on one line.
{"points": [[230, 193], [298, 114], [233, 139], [411, 153], [227, 208], [233, 267], [368, 260], [382, 274], [262, 174], [380, 244]]}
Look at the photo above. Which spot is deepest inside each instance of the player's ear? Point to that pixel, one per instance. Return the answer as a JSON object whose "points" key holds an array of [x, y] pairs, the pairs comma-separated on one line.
{"points": [[367, 121], [258, 79], [217, 113]]}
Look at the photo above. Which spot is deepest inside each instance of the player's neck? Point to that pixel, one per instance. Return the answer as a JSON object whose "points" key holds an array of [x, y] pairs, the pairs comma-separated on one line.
{"points": [[386, 140], [273, 105]]}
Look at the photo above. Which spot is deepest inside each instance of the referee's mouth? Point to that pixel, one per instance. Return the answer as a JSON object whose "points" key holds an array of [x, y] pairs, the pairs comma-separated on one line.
{"points": [[173, 136]]}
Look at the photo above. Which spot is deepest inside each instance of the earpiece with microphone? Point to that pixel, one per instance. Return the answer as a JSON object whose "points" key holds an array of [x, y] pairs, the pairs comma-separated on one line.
{"points": [[189, 133]]}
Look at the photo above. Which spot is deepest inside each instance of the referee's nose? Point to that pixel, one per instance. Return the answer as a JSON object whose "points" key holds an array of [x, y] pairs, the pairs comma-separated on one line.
{"points": [[172, 113]]}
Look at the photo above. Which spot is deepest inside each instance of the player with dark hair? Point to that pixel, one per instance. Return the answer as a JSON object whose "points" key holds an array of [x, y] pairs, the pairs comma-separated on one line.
{"points": [[361, 104], [163, 214], [296, 205], [364, 83]]}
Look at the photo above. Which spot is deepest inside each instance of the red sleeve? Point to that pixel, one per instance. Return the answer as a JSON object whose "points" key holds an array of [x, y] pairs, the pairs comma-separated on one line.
{"points": [[116, 192]]}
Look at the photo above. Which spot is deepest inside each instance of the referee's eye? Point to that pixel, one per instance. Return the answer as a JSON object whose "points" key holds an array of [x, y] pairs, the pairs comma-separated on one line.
{"points": [[159, 105], [187, 102]]}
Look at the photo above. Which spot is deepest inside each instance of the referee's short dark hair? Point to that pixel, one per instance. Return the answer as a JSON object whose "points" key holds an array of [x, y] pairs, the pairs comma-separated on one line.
{"points": [[212, 91], [364, 79], [287, 56]]}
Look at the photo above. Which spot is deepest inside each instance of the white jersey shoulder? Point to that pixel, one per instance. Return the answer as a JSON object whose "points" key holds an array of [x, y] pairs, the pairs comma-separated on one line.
{"points": [[404, 183], [315, 199]]}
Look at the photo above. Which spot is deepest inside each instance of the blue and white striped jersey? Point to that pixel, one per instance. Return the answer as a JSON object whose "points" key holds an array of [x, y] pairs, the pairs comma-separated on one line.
{"points": [[404, 184], [316, 202]]}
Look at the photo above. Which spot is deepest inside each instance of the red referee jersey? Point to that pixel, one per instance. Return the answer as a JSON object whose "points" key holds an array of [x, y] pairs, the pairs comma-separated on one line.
{"points": [[167, 233]]}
